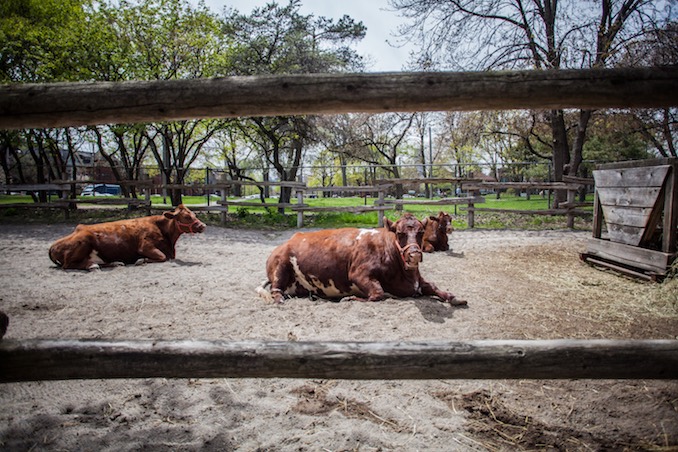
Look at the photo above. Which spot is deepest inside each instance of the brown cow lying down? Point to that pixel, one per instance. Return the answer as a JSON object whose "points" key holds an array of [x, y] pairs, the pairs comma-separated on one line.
{"points": [[364, 264], [435, 232], [139, 240]]}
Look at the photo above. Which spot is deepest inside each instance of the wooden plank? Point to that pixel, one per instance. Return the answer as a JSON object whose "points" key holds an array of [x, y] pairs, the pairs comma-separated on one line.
{"points": [[419, 180], [34, 187], [551, 212], [105, 200], [634, 256], [637, 163], [618, 268], [629, 196], [336, 189], [625, 215], [440, 202], [37, 360], [229, 184], [355, 209], [521, 185], [597, 216], [34, 205], [578, 180], [648, 176], [670, 224], [212, 208], [89, 103], [272, 205], [626, 234]]}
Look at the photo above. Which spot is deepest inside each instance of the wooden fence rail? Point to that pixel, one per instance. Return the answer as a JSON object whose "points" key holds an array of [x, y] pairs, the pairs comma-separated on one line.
{"points": [[76, 104], [32, 360]]}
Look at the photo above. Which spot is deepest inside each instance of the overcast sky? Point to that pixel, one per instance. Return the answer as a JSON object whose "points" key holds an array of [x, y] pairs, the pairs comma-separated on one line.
{"points": [[380, 23]]}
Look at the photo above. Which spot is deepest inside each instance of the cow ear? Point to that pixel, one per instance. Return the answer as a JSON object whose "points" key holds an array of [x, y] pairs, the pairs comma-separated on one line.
{"points": [[389, 225], [169, 215], [424, 221]]}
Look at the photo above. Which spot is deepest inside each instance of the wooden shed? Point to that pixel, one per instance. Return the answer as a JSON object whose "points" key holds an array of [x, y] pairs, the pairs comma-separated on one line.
{"points": [[638, 203]]}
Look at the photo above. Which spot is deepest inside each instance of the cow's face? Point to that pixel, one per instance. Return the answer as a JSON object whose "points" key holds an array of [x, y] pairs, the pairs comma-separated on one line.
{"points": [[409, 236], [185, 220], [444, 222]]}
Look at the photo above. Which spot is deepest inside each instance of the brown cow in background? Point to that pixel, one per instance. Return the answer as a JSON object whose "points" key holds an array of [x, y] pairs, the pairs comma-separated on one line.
{"points": [[138, 240], [365, 264], [435, 232]]}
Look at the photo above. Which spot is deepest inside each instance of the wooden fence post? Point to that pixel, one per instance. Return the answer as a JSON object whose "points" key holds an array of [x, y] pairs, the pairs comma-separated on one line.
{"points": [[224, 206], [380, 203], [300, 213], [571, 196]]}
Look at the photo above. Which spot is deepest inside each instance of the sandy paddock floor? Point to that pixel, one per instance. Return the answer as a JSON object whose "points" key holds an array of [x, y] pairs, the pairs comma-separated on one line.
{"points": [[519, 285]]}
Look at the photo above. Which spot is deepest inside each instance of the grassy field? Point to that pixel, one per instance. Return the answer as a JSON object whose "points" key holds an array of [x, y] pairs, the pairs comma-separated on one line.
{"points": [[261, 217]]}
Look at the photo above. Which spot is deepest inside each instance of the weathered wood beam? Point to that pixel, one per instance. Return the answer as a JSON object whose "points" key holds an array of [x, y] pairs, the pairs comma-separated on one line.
{"points": [[32, 360], [77, 104]]}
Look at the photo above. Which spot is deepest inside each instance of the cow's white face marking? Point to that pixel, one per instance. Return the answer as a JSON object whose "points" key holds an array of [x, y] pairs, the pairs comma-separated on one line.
{"points": [[366, 232]]}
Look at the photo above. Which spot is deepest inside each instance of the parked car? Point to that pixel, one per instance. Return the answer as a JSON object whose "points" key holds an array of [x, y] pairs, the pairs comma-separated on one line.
{"points": [[101, 190]]}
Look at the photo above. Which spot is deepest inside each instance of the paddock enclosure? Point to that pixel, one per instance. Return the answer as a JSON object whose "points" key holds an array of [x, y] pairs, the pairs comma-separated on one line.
{"points": [[520, 286]]}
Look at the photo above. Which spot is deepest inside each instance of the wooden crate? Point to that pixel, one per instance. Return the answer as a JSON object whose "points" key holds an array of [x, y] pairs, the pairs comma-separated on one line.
{"points": [[638, 202]]}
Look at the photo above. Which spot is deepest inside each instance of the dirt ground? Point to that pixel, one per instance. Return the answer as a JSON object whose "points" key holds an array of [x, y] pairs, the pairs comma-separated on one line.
{"points": [[519, 285]]}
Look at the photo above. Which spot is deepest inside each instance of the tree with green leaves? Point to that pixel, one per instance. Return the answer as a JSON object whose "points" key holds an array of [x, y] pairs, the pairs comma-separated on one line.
{"points": [[157, 40]]}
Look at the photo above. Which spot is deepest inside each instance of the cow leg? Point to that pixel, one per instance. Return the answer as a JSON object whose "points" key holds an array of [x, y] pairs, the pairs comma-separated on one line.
{"points": [[430, 289], [367, 285], [150, 253], [80, 255], [283, 277]]}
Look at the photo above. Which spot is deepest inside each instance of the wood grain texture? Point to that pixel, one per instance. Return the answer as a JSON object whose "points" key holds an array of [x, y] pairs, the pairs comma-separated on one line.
{"points": [[76, 104], [31, 360]]}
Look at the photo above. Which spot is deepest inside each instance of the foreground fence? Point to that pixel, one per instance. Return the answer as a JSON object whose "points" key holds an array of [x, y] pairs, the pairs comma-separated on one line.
{"points": [[32, 360]]}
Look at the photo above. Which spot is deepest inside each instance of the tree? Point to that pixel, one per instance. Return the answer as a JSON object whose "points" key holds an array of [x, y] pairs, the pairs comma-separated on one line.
{"points": [[35, 39], [659, 127], [160, 40], [539, 34], [383, 137], [278, 39], [338, 134]]}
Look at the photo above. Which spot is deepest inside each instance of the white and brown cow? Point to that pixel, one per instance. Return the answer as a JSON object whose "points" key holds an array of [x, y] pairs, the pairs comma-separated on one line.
{"points": [[138, 240], [436, 230], [364, 264]]}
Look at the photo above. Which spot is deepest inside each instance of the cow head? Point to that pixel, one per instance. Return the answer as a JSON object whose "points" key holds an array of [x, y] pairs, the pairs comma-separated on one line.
{"points": [[409, 234], [185, 220], [436, 230]]}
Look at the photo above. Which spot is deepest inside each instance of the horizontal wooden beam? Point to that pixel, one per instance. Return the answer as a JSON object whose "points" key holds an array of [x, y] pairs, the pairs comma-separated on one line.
{"points": [[419, 180], [77, 104], [521, 185], [33, 360], [439, 202]]}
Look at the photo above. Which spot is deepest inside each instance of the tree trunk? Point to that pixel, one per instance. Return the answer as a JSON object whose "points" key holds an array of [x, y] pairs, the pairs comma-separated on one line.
{"points": [[578, 145], [561, 153]]}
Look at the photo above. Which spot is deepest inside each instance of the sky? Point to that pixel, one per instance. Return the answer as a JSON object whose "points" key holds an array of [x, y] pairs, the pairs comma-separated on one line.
{"points": [[374, 14]]}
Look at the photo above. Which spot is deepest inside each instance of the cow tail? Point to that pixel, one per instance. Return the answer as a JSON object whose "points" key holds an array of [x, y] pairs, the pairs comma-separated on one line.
{"points": [[264, 292]]}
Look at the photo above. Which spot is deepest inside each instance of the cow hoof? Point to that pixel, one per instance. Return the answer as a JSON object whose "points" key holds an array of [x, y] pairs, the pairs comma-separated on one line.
{"points": [[94, 268], [454, 301], [140, 261], [117, 264]]}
